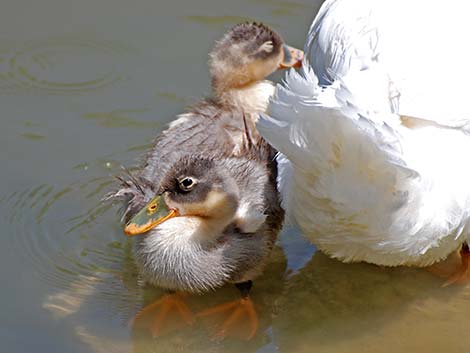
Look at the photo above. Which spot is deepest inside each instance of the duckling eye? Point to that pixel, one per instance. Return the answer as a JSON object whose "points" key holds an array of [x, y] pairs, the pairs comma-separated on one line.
{"points": [[187, 184]]}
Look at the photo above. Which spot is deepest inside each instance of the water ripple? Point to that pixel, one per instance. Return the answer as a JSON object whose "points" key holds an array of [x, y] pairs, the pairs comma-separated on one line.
{"points": [[78, 256], [59, 66]]}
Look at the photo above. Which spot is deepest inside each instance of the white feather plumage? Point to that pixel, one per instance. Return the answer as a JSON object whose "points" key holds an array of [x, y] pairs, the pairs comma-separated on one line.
{"points": [[360, 183]]}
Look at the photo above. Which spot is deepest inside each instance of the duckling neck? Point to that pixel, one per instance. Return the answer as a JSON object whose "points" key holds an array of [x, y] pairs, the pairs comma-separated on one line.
{"points": [[250, 98]]}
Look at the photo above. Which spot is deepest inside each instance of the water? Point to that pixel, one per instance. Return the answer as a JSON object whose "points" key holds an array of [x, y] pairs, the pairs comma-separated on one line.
{"points": [[84, 88]]}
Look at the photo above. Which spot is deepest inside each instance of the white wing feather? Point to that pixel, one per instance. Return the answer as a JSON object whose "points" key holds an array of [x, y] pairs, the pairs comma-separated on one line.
{"points": [[358, 182]]}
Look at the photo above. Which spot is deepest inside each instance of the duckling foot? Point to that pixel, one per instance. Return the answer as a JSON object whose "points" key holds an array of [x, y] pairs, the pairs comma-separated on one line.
{"points": [[462, 275], [239, 317], [167, 314]]}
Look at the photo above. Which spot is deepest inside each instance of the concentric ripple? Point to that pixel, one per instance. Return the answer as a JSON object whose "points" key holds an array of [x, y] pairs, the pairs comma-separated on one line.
{"points": [[59, 66], [76, 254]]}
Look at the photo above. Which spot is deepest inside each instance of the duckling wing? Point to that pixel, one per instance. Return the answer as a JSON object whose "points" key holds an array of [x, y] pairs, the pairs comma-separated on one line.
{"points": [[253, 184], [259, 209], [248, 218]]}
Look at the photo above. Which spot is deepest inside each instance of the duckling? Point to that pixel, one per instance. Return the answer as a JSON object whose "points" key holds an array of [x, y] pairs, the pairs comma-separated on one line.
{"points": [[194, 242], [240, 62], [213, 220], [206, 195]]}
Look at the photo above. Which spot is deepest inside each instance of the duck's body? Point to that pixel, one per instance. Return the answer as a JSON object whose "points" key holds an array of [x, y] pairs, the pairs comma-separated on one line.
{"points": [[374, 133]]}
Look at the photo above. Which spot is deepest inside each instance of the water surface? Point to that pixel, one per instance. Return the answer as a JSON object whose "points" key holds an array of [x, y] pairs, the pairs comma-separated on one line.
{"points": [[84, 88]]}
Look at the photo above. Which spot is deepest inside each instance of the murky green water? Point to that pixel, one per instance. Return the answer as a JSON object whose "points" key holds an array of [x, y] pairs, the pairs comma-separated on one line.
{"points": [[84, 87]]}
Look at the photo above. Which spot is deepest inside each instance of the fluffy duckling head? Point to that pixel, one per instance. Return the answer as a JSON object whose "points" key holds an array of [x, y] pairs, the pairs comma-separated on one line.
{"points": [[193, 187], [246, 54]]}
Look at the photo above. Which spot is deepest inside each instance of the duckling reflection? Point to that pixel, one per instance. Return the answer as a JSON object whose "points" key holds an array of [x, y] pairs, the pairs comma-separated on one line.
{"points": [[213, 216]]}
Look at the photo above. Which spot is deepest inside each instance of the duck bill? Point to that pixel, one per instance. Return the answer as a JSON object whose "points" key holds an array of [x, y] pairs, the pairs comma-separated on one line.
{"points": [[292, 57], [153, 214]]}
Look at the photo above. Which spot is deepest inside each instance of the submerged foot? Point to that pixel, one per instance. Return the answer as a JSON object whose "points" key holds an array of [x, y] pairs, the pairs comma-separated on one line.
{"points": [[166, 314], [238, 319]]}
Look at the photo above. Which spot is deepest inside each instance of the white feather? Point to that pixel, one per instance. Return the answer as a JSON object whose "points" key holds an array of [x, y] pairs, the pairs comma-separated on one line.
{"points": [[359, 183]]}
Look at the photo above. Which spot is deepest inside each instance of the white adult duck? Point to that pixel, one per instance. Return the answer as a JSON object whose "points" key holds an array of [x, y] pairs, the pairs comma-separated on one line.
{"points": [[374, 133]]}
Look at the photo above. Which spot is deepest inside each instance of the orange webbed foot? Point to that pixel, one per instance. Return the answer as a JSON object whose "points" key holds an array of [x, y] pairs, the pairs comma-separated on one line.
{"points": [[241, 319], [166, 314], [237, 318]]}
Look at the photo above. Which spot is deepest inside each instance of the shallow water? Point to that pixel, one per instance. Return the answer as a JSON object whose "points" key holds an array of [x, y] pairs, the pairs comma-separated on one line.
{"points": [[84, 87]]}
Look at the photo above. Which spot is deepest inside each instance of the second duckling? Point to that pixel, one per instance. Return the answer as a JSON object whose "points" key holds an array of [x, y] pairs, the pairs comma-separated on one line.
{"points": [[239, 64]]}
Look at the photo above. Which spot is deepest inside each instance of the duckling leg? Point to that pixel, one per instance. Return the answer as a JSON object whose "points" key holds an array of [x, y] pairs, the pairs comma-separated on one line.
{"points": [[462, 275], [240, 315], [165, 314]]}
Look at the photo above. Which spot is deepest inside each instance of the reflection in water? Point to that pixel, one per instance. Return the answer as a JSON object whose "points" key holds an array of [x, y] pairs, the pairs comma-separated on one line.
{"points": [[59, 66], [69, 301], [337, 307], [99, 344]]}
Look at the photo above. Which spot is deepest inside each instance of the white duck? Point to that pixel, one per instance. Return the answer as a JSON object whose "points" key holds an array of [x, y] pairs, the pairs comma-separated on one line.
{"points": [[374, 133]]}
